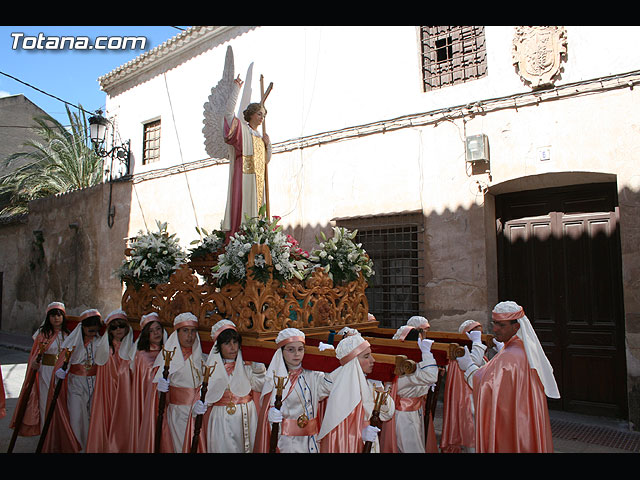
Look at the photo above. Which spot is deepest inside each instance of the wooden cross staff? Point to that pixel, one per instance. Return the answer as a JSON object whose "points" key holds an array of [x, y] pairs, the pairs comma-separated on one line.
{"points": [[263, 99], [52, 405], [380, 398], [168, 356], [279, 383], [207, 372], [22, 406]]}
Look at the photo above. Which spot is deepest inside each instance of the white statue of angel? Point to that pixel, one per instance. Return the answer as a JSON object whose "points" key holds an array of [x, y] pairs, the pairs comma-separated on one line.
{"points": [[248, 150]]}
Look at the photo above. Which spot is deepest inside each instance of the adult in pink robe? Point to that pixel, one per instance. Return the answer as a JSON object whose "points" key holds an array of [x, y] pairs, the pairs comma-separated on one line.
{"points": [[509, 392]]}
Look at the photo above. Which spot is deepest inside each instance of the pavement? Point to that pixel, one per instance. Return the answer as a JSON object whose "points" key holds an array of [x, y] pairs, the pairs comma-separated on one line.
{"points": [[572, 433]]}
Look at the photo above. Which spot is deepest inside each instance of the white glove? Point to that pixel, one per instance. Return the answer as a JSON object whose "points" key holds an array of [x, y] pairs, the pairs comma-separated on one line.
{"points": [[163, 385], [465, 361], [348, 331], [275, 415], [370, 433], [199, 408], [257, 367], [325, 346], [475, 336], [425, 348], [425, 345], [60, 373], [498, 344]]}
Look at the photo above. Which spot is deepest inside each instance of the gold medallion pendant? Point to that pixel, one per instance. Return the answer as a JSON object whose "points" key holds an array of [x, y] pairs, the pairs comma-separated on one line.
{"points": [[231, 408], [303, 420]]}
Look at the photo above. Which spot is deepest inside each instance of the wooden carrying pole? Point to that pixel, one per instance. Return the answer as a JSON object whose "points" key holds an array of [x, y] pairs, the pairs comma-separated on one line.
{"points": [[52, 406], [22, 407], [208, 371], [163, 398]]}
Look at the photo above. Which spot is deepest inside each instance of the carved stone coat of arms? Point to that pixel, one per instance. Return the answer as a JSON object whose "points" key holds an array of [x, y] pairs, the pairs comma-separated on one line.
{"points": [[538, 53]]}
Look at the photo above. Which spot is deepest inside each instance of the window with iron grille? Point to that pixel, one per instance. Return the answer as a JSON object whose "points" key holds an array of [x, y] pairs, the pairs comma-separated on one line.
{"points": [[452, 55], [151, 142], [395, 244]]}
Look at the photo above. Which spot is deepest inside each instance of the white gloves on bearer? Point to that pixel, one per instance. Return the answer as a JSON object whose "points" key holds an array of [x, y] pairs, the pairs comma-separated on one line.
{"points": [[199, 408], [325, 346], [163, 385], [275, 415], [60, 373], [425, 348], [498, 345], [465, 361], [370, 433], [475, 336]]}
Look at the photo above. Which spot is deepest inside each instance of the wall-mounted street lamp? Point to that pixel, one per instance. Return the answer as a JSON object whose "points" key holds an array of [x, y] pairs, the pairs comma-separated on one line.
{"points": [[98, 126]]}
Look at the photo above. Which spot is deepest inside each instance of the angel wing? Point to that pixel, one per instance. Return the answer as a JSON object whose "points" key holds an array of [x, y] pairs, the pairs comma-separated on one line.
{"points": [[214, 109]]}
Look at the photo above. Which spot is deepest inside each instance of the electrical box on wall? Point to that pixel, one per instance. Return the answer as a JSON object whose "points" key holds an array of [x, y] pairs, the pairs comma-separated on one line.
{"points": [[477, 148]]}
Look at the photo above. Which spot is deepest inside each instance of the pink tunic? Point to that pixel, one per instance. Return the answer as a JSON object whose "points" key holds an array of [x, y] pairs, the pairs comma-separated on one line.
{"points": [[32, 416], [145, 406], [3, 407], [111, 408], [233, 137], [60, 436], [510, 404], [457, 421], [347, 436]]}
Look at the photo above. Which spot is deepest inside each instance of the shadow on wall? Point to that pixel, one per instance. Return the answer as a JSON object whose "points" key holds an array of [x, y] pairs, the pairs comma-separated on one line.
{"points": [[64, 251]]}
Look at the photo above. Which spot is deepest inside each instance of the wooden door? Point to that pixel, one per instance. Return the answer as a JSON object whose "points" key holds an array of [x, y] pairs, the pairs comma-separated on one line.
{"points": [[559, 257]]}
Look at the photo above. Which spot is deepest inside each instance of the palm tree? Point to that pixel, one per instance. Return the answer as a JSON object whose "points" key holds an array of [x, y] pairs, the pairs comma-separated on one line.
{"points": [[62, 161]]}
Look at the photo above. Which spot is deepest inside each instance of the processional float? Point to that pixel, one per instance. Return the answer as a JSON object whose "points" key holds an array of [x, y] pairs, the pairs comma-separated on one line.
{"points": [[317, 307]]}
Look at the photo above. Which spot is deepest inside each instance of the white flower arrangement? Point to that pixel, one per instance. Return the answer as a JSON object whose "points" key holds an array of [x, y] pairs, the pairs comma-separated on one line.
{"points": [[288, 262], [210, 243], [153, 257], [341, 258]]}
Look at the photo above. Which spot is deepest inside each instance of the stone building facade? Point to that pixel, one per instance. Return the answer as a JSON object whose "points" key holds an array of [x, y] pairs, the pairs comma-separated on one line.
{"points": [[479, 164]]}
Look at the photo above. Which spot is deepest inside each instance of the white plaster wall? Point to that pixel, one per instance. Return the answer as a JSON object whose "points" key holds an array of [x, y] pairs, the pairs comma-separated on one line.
{"points": [[332, 77]]}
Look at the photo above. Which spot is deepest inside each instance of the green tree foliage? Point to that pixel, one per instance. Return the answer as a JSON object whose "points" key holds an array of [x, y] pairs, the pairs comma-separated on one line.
{"points": [[61, 160]]}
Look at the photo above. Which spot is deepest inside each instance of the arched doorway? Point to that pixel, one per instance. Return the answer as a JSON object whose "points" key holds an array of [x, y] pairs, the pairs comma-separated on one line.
{"points": [[558, 255]]}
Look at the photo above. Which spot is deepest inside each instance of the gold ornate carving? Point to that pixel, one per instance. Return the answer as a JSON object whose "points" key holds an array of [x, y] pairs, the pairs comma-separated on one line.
{"points": [[256, 164], [538, 52], [258, 309]]}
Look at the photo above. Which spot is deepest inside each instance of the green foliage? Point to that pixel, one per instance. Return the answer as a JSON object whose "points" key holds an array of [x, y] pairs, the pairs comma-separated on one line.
{"points": [[287, 264], [209, 243], [61, 161], [154, 257], [341, 257]]}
